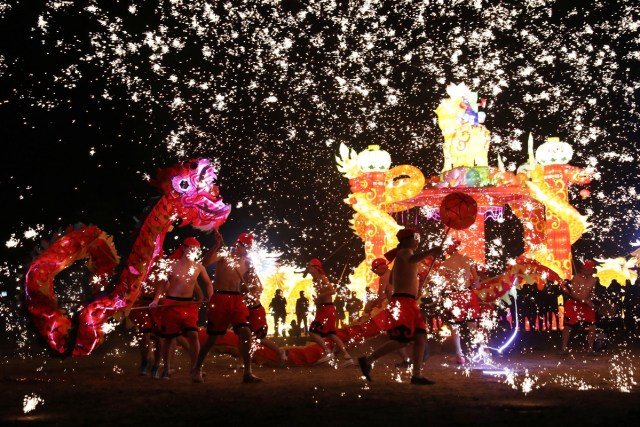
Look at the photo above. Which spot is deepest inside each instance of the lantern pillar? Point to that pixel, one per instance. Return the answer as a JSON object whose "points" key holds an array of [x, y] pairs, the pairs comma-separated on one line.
{"points": [[563, 224], [374, 164], [557, 230]]}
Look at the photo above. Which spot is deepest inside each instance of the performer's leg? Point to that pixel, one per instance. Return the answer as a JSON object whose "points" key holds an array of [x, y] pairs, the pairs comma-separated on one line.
{"points": [[244, 346], [204, 350]]}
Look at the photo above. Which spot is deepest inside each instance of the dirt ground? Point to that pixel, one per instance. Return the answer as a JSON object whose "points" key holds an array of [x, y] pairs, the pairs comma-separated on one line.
{"points": [[534, 386]]}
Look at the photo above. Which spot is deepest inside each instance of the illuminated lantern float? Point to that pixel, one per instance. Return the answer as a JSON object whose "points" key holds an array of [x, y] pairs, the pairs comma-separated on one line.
{"points": [[375, 192], [537, 193]]}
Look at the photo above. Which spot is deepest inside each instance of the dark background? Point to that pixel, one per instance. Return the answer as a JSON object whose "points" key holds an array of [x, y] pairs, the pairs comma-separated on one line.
{"points": [[88, 109]]}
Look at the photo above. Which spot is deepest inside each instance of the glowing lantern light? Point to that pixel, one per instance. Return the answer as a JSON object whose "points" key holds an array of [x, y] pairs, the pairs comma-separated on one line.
{"points": [[554, 152], [619, 269], [466, 140], [585, 193], [373, 159]]}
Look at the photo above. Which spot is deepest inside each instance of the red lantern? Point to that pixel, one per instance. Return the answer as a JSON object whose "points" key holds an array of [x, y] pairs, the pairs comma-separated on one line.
{"points": [[458, 211], [585, 193]]}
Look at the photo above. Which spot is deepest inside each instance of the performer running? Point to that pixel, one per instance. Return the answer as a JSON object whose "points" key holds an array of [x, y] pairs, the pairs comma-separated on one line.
{"points": [[227, 307], [324, 324], [179, 314], [406, 324], [380, 267], [460, 278]]}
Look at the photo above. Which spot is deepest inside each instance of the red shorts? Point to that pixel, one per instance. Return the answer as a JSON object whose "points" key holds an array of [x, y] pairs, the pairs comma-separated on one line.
{"points": [[325, 321], [578, 312], [226, 308], [141, 317], [177, 317], [258, 321], [466, 306], [383, 319], [404, 318]]}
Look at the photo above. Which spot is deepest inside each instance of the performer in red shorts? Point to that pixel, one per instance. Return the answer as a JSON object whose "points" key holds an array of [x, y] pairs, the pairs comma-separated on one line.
{"points": [[406, 324], [177, 316], [458, 272], [226, 306], [324, 324], [258, 318], [578, 305], [380, 267]]}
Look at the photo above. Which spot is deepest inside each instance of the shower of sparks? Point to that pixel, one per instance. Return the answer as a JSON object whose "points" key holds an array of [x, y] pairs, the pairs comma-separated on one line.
{"points": [[525, 384], [30, 402], [573, 382], [622, 374], [284, 83], [268, 90]]}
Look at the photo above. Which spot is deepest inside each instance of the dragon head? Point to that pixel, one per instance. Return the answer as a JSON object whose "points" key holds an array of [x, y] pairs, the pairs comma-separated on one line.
{"points": [[192, 186]]}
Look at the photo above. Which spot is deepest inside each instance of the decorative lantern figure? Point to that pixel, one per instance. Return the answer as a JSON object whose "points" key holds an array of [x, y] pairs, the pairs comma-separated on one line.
{"points": [[373, 159]]}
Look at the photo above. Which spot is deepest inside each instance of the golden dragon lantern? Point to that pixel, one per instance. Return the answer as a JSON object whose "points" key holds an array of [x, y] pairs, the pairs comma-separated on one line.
{"points": [[549, 184], [375, 189]]}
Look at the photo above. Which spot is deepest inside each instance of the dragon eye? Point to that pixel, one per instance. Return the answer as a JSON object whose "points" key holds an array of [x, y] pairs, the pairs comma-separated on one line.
{"points": [[182, 184]]}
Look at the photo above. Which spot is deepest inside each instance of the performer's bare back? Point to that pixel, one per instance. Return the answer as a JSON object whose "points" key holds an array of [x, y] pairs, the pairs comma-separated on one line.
{"points": [[324, 289], [583, 286], [385, 289]]}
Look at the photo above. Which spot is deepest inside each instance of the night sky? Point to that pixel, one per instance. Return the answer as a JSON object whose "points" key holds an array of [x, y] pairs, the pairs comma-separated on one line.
{"points": [[95, 95]]}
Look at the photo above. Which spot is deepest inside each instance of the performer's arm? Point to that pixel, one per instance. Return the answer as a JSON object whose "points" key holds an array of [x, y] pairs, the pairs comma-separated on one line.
{"points": [[198, 291], [434, 252], [475, 279], [160, 288], [212, 256], [382, 294], [207, 281], [254, 279]]}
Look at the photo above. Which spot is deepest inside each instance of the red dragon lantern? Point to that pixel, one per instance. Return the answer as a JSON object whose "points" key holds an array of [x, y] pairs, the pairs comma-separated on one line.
{"points": [[190, 195]]}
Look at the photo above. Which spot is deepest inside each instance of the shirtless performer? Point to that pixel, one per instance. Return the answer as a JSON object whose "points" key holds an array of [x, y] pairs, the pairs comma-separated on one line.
{"points": [[324, 324], [380, 267], [177, 316], [460, 279], [578, 305], [405, 324], [227, 307]]}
